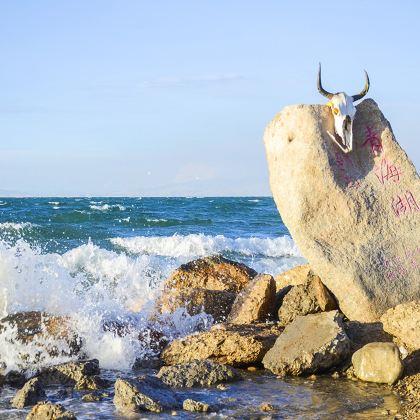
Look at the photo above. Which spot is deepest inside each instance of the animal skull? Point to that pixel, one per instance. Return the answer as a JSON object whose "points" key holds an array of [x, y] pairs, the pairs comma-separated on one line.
{"points": [[343, 111]]}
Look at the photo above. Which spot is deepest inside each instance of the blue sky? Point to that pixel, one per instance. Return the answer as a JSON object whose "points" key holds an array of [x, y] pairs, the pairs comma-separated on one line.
{"points": [[172, 97]]}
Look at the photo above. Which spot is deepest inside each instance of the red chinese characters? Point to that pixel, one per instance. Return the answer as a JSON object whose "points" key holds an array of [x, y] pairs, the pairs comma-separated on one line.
{"points": [[404, 203], [387, 171], [374, 141]]}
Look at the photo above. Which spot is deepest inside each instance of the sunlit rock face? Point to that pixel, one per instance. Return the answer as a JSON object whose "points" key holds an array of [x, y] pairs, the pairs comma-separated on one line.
{"points": [[355, 216]]}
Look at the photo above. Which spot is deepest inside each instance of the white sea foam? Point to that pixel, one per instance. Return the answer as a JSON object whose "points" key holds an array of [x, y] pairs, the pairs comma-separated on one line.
{"points": [[156, 220], [18, 227], [196, 245], [106, 207], [55, 203]]}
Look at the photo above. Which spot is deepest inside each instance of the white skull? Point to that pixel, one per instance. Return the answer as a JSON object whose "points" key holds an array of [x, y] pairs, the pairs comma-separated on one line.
{"points": [[343, 111]]}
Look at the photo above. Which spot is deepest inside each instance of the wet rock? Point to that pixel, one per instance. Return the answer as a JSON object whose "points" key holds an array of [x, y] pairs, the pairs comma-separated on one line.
{"points": [[92, 382], [196, 373], [236, 345], [255, 302], [144, 394], [378, 362], [70, 373], [308, 298], [403, 322], [292, 277], [355, 224], [265, 406], [47, 411], [45, 329], [362, 333], [92, 397], [216, 303], [192, 405], [212, 273], [15, 379], [31, 393], [310, 344]]}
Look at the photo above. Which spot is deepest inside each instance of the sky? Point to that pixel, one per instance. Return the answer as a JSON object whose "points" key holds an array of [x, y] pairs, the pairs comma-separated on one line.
{"points": [[152, 98]]}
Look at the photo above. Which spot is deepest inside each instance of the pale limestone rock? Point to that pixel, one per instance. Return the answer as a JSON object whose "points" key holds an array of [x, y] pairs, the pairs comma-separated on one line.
{"points": [[355, 217], [403, 322], [310, 344], [212, 273], [47, 411], [303, 299], [378, 362], [236, 345], [255, 302], [292, 277]]}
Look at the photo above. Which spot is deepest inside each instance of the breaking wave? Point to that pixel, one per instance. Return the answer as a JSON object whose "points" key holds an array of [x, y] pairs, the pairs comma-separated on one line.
{"points": [[197, 245]]}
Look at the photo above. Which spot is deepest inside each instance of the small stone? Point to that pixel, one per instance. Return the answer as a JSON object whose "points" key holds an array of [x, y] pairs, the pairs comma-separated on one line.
{"points": [[47, 411], [265, 406], [335, 375], [222, 387], [92, 397], [378, 362], [251, 368], [174, 413], [313, 377], [31, 393], [191, 405], [70, 373]]}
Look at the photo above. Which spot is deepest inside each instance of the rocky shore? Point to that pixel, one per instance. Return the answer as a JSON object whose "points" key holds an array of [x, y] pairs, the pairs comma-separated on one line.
{"points": [[289, 330]]}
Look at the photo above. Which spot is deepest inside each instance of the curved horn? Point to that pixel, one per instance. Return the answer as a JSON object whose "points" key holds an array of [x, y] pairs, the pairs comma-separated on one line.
{"points": [[322, 91], [364, 91]]}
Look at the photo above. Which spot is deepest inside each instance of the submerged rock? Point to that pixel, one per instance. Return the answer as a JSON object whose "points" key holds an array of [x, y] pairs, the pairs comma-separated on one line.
{"points": [[378, 362], [255, 302], [196, 373], [236, 345], [310, 344], [192, 405], [212, 273], [403, 322], [31, 393], [70, 373], [303, 299], [353, 216], [47, 411], [144, 394], [216, 303]]}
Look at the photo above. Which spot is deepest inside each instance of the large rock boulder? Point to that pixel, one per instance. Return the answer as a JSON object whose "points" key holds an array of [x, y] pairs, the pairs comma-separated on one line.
{"points": [[355, 217], [303, 299], [196, 373], [310, 344], [217, 303], [378, 362], [255, 302], [212, 273], [225, 343], [403, 322]]}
